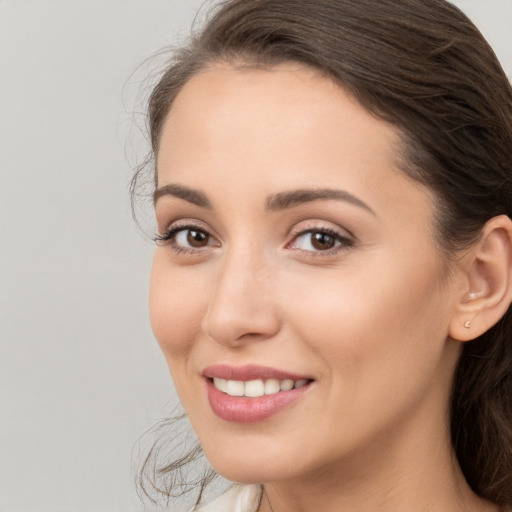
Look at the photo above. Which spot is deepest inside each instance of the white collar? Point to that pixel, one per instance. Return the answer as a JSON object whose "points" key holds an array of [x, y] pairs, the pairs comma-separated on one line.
{"points": [[239, 498]]}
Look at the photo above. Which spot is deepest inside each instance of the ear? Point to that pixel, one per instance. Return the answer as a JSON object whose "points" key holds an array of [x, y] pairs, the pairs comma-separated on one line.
{"points": [[487, 292]]}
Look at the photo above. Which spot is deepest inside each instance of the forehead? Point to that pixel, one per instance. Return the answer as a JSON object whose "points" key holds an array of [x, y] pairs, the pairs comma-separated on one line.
{"points": [[286, 86], [278, 107], [278, 129]]}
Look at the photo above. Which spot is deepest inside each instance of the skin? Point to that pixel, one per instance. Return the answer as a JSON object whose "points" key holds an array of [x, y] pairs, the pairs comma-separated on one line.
{"points": [[368, 320]]}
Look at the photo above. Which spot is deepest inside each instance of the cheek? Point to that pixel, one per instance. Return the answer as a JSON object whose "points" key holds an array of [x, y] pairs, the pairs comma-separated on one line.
{"points": [[384, 311], [380, 337], [175, 308]]}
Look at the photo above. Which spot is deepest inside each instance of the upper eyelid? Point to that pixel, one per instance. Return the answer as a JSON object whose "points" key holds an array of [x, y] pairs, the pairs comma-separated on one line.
{"points": [[328, 231], [319, 225], [340, 238], [184, 224], [299, 228]]}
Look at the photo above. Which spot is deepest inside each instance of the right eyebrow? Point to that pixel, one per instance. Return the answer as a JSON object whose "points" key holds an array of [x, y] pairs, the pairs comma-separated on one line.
{"points": [[284, 200], [187, 194]]}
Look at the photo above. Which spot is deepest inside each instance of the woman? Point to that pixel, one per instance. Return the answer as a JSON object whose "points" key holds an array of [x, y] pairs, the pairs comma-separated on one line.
{"points": [[332, 278]]}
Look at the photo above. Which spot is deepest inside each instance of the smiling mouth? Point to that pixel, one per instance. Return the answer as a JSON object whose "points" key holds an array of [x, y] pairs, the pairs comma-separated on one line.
{"points": [[251, 393], [257, 388]]}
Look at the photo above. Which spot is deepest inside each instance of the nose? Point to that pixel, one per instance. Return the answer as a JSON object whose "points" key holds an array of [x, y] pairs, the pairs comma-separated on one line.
{"points": [[241, 307]]}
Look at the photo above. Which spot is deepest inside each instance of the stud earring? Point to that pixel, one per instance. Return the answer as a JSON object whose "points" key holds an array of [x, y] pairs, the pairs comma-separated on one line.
{"points": [[467, 325]]}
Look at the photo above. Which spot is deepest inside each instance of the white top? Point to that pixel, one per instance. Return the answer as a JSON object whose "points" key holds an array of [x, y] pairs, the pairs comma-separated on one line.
{"points": [[243, 498], [239, 498]]}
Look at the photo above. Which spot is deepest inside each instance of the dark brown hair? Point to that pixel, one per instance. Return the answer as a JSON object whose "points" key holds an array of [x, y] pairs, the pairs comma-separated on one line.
{"points": [[424, 67]]}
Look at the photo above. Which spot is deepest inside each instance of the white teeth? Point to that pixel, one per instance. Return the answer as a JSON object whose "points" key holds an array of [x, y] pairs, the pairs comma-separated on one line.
{"points": [[220, 384], [235, 388], [256, 388], [272, 386], [287, 384]]}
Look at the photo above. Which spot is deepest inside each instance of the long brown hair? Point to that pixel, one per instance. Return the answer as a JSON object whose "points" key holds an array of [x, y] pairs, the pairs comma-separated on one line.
{"points": [[424, 67]]}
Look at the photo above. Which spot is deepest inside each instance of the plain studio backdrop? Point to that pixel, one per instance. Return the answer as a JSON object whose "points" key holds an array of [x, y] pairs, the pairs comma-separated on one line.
{"points": [[81, 376]]}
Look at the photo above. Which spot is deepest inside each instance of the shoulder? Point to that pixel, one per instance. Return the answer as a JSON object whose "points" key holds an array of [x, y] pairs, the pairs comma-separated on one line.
{"points": [[239, 498]]}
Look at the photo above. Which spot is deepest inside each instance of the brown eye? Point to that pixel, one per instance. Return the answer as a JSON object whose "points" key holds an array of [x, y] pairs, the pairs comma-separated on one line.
{"points": [[187, 238], [322, 241], [197, 239]]}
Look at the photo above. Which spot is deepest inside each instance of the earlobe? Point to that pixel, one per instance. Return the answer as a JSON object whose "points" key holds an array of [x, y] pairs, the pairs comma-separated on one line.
{"points": [[488, 269]]}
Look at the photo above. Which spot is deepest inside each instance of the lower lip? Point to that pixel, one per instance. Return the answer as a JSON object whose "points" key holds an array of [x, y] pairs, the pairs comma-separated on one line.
{"points": [[241, 409]]}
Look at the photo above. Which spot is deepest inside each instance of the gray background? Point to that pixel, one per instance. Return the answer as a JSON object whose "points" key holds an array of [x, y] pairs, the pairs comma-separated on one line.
{"points": [[81, 377]]}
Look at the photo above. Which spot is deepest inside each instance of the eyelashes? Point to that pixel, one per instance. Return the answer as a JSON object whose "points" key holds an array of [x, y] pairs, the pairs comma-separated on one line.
{"points": [[320, 240], [193, 239], [186, 238], [317, 241]]}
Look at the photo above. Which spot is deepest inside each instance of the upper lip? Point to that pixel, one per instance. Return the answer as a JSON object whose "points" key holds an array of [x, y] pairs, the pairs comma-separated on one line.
{"points": [[249, 372]]}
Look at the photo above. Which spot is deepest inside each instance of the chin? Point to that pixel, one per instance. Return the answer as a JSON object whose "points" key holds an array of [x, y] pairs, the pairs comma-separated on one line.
{"points": [[246, 474], [252, 467]]}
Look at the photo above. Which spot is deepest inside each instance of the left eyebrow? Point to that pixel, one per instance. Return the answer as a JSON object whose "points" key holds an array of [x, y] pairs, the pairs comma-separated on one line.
{"points": [[187, 194], [285, 200]]}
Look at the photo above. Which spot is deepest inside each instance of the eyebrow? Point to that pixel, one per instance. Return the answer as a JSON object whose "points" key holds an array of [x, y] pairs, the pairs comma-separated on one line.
{"points": [[187, 194], [285, 200], [274, 203]]}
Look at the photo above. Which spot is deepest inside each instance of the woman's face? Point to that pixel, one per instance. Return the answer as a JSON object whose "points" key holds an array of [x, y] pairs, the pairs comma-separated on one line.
{"points": [[297, 255]]}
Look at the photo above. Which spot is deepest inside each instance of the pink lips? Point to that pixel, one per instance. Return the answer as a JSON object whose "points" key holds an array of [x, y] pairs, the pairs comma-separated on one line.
{"points": [[243, 409]]}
